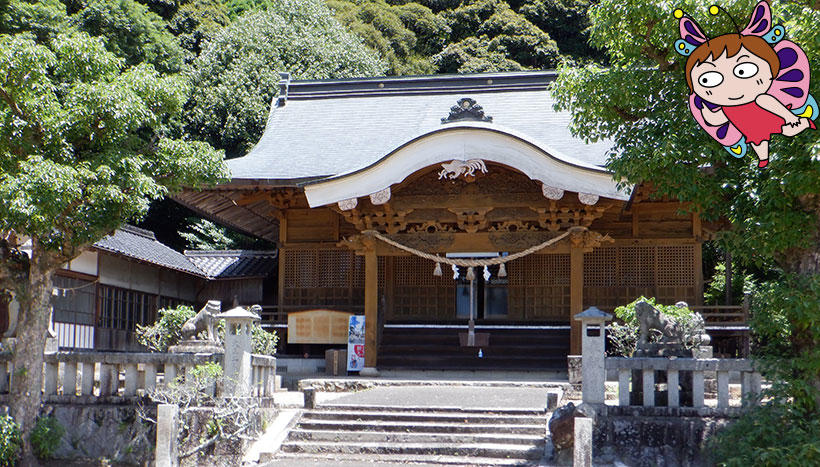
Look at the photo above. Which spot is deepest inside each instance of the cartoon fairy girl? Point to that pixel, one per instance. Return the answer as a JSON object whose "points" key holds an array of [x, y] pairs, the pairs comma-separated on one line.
{"points": [[744, 89]]}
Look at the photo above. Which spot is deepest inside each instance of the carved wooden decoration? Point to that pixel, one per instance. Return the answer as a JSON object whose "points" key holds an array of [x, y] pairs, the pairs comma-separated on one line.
{"points": [[466, 109], [456, 168], [384, 220], [588, 199], [551, 192], [556, 218], [380, 197], [348, 204], [471, 220], [589, 239]]}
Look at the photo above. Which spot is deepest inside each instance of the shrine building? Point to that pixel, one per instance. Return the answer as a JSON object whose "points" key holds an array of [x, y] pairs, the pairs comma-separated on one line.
{"points": [[464, 167]]}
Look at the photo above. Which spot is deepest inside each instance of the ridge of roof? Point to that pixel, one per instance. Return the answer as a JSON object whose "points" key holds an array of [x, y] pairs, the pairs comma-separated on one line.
{"points": [[256, 253], [420, 84], [138, 231]]}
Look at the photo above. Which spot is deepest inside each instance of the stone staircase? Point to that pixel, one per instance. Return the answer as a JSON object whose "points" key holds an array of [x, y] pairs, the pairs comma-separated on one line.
{"points": [[418, 434]]}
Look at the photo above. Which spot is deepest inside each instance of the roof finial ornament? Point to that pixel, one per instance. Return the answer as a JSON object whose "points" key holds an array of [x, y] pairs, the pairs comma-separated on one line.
{"points": [[466, 109]]}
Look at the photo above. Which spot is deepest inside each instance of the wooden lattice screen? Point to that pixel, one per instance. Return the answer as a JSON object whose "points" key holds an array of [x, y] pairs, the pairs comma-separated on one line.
{"points": [[323, 278], [413, 292], [539, 287], [615, 276]]}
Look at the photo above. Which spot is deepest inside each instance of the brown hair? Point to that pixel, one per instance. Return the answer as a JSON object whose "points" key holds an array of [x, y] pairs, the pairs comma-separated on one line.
{"points": [[731, 44]]}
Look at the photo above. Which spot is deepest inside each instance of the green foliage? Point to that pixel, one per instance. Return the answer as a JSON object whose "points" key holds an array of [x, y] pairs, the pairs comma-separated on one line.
{"points": [[566, 22], [206, 372], [131, 31], [205, 235], [785, 314], [742, 284], [623, 334], [11, 441], [82, 140], [45, 437], [472, 55], [264, 342], [165, 331], [196, 22], [505, 32], [403, 35], [44, 18], [237, 8], [235, 77], [772, 435]]}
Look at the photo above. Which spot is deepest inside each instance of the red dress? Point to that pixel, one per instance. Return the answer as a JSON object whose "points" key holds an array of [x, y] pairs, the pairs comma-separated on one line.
{"points": [[754, 122]]}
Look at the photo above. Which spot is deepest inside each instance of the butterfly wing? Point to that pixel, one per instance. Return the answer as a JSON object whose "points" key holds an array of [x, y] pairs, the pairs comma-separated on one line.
{"points": [[727, 134], [791, 86]]}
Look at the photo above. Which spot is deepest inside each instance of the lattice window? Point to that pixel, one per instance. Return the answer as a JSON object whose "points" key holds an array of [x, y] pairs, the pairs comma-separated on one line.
{"points": [[332, 278], [676, 266], [416, 293], [636, 266], [600, 268], [539, 287]]}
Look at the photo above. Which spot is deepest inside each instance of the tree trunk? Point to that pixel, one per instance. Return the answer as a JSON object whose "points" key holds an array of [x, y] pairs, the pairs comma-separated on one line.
{"points": [[27, 377]]}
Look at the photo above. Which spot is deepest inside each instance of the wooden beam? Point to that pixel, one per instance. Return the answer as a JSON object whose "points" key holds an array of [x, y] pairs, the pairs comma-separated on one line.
{"points": [[698, 265], [576, 297], [371, 308]]}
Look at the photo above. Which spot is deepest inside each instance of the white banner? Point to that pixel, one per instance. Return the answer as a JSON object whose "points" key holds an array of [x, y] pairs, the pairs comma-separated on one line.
{"points": [[355, 343]]}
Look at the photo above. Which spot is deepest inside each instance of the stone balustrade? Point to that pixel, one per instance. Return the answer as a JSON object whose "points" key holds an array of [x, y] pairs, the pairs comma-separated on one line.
{"points": [[673, 368], [113, 377], [263, 375]]}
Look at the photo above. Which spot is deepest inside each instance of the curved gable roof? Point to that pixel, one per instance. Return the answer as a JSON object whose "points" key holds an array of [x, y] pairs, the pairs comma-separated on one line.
{"points": [[320, 129]]}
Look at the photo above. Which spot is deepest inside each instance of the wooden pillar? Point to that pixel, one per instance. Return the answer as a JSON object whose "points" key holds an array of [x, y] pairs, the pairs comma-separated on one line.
{"points": [[371, 307], [576, 297]]}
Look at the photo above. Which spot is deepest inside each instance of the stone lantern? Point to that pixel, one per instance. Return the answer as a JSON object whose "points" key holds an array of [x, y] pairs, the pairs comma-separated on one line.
{"points": [[593, 342], [238, 349]]}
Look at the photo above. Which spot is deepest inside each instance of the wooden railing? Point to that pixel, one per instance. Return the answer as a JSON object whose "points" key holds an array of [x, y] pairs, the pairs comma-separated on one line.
{"points": [[750, 378], [724, 315]]}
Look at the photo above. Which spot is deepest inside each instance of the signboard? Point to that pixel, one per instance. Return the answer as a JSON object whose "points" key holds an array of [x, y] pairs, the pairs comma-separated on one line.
{"points": [[318, 327], [355, 343]]}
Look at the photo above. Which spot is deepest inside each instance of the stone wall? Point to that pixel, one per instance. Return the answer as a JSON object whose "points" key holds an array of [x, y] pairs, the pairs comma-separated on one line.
{"points": [[657, 436], [112, 432]]}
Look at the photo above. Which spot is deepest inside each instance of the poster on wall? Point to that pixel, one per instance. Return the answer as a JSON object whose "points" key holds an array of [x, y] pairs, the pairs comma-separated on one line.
{"points": [[355, 343]]}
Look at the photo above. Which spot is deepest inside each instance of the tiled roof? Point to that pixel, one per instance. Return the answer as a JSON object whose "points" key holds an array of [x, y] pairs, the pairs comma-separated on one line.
{"points": [[224, 264], [142, 245], [325, 128]]}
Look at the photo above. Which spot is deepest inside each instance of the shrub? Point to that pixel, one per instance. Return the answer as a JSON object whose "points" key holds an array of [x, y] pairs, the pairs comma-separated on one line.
{"points": [[45, 437], [11, 441], [165, 331], [623, 334], [776, 435]]}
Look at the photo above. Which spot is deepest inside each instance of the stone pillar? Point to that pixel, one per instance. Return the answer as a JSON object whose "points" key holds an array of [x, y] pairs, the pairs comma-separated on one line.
{"points": [[593, 340], [165, 454], [582, 446], [238, 350]]}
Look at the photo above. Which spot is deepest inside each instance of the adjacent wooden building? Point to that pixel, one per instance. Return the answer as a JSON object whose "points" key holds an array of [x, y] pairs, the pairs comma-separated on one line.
{"points": [[470, 166]]}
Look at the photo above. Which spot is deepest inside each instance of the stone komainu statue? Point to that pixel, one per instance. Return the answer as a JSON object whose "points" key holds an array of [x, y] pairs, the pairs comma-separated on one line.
{"points": [[205, 320], [672, 332]]}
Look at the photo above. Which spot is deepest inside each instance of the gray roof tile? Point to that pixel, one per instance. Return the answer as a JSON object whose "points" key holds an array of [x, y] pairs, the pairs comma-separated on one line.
{"points": [[335, 127], [141, 244], [224, 264]]}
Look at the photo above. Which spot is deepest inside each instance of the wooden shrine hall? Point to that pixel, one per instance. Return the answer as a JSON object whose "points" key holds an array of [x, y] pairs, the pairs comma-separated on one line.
{"points": [[463, 167]]}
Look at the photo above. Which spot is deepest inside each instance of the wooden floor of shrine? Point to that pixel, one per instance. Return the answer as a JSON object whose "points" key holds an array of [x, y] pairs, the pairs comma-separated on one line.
{"points": [[509, 347]]}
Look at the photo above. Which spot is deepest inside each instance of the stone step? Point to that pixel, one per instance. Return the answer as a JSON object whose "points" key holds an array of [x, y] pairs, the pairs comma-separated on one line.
{"points": [[433, 409], [417, 459], [503, 451], [452, 417], [423, 427], [414, 438]]}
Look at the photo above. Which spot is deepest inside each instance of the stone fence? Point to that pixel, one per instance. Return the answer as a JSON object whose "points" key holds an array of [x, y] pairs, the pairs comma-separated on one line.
{"points": [[89, 377], [673, 369]]}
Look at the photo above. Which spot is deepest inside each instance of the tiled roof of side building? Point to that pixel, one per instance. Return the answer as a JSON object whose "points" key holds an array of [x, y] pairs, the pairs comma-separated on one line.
{"points": [[225, 264], [142, 245], [323, 128]]}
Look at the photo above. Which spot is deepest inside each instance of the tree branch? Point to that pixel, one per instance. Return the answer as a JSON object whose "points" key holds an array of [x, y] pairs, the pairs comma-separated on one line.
{"points": [[15, 108], [624, 114]]}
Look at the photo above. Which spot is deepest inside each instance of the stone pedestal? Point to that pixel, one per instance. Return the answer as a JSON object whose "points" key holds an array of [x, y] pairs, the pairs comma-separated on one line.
{"points": [[196, 346]]}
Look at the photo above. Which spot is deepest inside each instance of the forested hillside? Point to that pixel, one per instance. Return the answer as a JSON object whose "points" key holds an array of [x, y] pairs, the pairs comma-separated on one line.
{"points": [[231, 51]]}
